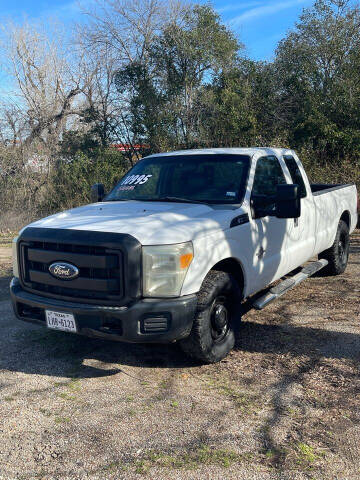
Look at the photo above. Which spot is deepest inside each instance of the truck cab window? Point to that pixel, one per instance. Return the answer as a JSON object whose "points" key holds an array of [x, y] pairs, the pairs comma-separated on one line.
{"points": [[268, 175], [295, 174]]}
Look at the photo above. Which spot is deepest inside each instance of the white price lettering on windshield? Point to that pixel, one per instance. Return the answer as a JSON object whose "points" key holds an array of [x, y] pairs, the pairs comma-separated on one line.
{"points": [[136, 179]]}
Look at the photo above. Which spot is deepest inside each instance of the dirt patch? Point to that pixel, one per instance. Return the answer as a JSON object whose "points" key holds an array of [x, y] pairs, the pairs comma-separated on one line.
{"points": [[285, 404]]}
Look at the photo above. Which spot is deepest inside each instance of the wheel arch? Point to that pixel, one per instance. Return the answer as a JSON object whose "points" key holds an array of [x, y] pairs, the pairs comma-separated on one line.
{"points": [[233, 266], [346, 217]]}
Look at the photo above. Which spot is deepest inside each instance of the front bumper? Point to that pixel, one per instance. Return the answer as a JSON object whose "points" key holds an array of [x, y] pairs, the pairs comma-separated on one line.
{"points": [[145, 321]]}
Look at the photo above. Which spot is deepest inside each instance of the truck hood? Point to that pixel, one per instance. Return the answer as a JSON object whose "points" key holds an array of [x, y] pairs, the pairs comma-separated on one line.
{"points": [[149, 222]]}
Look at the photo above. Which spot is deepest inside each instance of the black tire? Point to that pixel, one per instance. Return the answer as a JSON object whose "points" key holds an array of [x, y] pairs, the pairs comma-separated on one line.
{"points": [[212, 335], [337, 255]]}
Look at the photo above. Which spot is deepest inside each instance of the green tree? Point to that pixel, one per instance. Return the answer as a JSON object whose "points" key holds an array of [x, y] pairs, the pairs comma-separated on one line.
{"points": [[227, 116], [317, 66], [186, 55], [70, 182], [241, 106]]}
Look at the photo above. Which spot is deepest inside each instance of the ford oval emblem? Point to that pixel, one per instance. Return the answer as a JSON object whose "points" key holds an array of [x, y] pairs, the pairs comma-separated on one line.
{"points": [[63, 270]]}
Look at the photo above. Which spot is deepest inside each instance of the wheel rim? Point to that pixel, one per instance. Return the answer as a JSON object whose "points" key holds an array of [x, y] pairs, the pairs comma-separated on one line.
{"points": [[343, 249], [219, 319]]}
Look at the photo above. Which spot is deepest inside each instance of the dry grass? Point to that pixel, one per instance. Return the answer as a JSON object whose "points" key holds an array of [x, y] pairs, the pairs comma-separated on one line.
{"points": [[12, 222], [5, 266]]}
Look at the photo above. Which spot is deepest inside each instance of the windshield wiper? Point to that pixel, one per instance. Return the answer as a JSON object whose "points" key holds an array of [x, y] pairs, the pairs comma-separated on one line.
{"points": [[116, 200], [178, 199]]}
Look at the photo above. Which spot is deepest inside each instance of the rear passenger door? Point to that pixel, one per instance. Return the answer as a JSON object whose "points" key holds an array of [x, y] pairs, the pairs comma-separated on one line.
{"points": [[301, 232], [268, 232]]}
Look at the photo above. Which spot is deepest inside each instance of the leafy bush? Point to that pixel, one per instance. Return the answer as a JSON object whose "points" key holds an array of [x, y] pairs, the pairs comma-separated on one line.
{"points": [[70, 185]]}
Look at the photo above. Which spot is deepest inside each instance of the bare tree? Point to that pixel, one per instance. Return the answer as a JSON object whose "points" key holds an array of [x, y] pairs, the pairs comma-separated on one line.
{"points": [[120, 33], [127, 27], [49, 78], [13, 125]]}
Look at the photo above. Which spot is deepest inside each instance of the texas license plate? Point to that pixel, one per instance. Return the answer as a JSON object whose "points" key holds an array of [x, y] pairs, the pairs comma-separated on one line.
{"points": [[60, 321]]}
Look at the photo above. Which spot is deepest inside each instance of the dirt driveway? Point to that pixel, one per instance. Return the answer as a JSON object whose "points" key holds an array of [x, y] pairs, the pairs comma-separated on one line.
{"points": [[284, 405]]}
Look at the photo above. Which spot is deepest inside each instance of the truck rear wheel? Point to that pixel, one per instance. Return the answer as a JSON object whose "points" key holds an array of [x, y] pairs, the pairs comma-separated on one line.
{"points": [[337, 255], [212, 336]]}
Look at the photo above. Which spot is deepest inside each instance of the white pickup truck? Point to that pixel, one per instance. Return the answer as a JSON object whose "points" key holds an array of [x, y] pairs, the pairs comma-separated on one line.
{"points": [[172, 251]]}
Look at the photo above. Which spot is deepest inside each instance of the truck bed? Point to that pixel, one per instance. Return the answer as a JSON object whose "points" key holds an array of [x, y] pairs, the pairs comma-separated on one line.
{"points": [[319, 188]]}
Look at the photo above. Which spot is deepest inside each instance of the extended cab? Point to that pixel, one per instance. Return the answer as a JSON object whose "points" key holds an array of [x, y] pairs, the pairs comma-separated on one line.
{"points": [[170, 253]]}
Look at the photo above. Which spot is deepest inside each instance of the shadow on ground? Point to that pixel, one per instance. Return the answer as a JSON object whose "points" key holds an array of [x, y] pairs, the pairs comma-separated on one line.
{"points": [[36, 350], [4, 285]]}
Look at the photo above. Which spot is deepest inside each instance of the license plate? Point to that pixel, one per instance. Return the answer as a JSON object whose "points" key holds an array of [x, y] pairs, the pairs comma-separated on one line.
{"points": [[60, 321]]}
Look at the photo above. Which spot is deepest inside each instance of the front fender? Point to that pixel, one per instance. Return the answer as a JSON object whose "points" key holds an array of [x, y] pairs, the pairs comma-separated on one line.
{"points": [[208, 251]]}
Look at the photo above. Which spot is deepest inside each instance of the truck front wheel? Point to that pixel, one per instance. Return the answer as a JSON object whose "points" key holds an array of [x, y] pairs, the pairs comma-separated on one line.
{"points": [[337, 255], [212, 335]]}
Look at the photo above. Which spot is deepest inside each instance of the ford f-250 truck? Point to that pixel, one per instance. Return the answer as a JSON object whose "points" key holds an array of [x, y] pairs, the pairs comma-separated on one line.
{"points": [[170, 253]]}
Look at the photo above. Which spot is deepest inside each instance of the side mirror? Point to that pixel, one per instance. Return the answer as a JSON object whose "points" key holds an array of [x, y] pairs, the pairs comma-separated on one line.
{"points": [[97, 192], [288, 203]]}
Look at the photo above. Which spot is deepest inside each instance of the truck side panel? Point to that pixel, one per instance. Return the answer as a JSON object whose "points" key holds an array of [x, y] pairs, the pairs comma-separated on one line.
{"points": [[329, 206]]}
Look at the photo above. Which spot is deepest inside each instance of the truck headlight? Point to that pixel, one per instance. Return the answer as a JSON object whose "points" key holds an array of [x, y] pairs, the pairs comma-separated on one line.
{"points": [[164, 269], [15, 258]]}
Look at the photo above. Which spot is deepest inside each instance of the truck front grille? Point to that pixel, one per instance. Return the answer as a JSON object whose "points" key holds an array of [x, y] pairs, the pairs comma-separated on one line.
{"points": [[100, 270], [109, 265]]}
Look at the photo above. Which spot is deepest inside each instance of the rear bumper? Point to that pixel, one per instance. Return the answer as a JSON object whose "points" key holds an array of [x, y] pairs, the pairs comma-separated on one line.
{"points": [[145, 321]]}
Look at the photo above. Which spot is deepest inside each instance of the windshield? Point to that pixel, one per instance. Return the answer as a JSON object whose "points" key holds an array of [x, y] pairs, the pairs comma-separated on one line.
{"points": [[216, 178]]}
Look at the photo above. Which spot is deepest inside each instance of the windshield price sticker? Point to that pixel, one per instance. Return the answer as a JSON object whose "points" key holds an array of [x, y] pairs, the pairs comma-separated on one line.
{"points": [[136, 180]]}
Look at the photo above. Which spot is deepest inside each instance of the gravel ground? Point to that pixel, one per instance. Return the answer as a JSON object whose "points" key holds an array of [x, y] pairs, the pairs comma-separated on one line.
{"points": [[284, 405]]}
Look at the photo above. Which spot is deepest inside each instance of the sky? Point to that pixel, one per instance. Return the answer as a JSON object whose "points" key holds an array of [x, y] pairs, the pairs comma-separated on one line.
{"points": [[260, 24]]}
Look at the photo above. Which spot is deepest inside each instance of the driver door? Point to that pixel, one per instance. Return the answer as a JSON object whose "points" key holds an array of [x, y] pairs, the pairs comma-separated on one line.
{"points": [[269, 233]]}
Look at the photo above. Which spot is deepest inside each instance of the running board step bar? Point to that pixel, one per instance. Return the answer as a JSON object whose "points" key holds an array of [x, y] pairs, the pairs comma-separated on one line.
{"points": [[288, 284]]}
